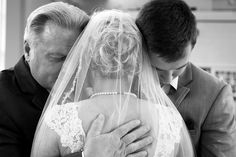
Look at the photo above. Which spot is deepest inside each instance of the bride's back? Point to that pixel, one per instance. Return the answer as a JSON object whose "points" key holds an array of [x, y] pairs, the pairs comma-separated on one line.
{"points": [[116, 108], [167, 127], [119, 109]]}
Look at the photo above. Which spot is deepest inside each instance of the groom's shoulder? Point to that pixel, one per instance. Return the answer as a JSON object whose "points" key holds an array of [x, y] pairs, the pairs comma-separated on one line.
{"points": [[203, 77]]}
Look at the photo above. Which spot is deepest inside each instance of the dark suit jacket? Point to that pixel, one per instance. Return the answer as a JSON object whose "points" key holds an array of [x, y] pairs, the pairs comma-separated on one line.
{"points": [[21, 102], [208, 109]]}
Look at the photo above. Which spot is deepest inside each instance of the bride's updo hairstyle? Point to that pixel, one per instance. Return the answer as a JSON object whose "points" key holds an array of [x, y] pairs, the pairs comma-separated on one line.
{"points": [[116, 43]]}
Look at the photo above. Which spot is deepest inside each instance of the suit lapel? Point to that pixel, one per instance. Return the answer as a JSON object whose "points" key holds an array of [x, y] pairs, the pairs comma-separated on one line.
{"points": [[178, 96]]}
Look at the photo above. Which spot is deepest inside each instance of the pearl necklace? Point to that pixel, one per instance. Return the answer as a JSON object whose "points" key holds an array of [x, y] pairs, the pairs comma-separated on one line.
{"points": [[113, 93]]}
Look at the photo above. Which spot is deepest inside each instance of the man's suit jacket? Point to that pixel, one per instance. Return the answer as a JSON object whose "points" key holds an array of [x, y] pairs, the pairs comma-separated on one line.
{"points": [[21, 102], [208, 109]]}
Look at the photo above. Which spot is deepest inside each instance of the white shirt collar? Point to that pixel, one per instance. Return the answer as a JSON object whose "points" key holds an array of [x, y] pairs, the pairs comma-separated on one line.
{"points": [[174, 82]]}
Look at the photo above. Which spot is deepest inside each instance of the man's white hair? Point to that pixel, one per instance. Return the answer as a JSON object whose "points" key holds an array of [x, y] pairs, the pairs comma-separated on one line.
{"points": [[63, 14]]}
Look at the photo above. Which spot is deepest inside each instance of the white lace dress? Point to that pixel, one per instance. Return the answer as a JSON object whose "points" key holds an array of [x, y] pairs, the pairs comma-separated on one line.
{"points": [[64, 120]]}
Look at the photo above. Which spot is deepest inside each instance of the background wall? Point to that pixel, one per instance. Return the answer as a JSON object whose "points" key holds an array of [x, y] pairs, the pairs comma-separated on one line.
{"points": [[216, 44], [17, 12], [14, 26]]}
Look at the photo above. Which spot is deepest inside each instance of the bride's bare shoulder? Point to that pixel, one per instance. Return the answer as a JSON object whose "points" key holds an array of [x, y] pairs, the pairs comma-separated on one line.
{"points": [[80, 104]]}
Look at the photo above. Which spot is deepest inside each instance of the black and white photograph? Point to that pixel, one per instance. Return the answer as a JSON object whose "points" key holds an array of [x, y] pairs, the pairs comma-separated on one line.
{"points": [[117, 78]]}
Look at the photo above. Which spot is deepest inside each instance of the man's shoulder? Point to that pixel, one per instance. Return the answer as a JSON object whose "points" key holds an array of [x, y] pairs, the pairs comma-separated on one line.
{"points": [[8, 89], [205, 78], [6, 76], [8, 84], [205, 85]]}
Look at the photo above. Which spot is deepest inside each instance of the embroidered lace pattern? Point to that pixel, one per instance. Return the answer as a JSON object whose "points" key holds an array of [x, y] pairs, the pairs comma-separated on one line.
{"points": [[170, 124], [64, 120]]}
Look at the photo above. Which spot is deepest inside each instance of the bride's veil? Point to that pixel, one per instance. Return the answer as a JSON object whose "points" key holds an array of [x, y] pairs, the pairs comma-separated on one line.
{"points": [[110, 49]]}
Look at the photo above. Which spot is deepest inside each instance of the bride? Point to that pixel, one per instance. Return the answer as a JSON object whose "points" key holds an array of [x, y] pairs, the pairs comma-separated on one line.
{"points": [[108, 60]]}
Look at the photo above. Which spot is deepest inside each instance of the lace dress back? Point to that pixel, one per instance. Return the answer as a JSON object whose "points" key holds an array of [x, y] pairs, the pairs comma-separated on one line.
{"points": [[64, 120], [69, 123]]}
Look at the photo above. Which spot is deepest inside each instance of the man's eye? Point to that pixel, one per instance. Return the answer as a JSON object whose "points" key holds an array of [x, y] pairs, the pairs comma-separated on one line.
{"points": [[57, 59], [159, 69]]}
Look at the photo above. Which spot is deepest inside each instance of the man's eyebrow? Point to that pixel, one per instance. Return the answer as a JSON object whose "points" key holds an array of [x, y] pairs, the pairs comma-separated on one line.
{"points": [[56, 54]]}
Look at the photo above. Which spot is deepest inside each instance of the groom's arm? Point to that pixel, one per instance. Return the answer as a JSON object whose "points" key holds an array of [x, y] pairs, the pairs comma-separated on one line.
{"points": [[219, 129]]}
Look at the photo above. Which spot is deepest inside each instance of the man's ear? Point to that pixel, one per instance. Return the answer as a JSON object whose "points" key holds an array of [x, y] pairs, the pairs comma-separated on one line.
{"points": [[26, 51]]}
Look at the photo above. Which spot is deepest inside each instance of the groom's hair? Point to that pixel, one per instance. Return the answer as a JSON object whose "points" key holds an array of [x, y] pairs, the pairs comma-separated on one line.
{"points": [[60, 13], [168, 26]]}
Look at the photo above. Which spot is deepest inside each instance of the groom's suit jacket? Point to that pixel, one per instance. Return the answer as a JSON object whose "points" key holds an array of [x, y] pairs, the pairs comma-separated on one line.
{"points": [[208, 109], [21, 102]]}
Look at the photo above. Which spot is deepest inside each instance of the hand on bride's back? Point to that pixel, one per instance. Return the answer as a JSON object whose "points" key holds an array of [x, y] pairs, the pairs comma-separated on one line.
{"points": [[121, 142]]}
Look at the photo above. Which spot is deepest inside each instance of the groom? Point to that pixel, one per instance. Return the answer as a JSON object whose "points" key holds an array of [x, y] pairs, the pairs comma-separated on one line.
{"points": [[50, 32], [205, 103]]}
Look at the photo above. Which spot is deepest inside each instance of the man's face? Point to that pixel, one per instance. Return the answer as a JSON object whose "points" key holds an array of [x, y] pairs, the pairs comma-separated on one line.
{"points": [[49, 52], [167, 71]]}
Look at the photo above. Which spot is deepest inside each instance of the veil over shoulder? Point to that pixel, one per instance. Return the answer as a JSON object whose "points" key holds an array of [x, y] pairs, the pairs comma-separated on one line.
{"points": [[108, 71]]}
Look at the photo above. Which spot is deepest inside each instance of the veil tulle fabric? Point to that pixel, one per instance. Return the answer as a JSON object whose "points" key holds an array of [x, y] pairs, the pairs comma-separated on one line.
{"points": [[108, 63]]}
